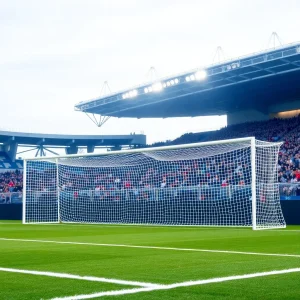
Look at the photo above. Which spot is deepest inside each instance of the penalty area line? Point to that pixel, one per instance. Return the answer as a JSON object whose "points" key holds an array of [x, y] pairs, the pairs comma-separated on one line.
{"points": [[78, 277], [178, 285], [153, 247]]}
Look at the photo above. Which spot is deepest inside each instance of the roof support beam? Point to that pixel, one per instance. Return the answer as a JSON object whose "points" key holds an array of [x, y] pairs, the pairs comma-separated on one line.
{"points": [[291, 63], [47, 149], [32, 149], [266, 70], [41, 141], [230, 79], [243, 76], [100, 121]]}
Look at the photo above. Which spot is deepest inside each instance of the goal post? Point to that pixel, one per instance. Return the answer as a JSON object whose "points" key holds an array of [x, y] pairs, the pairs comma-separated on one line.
{"points": [[253, 182], [220, 183]]}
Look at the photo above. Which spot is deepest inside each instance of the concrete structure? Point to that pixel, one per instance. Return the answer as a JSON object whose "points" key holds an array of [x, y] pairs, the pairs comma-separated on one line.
{"points": [[254, 87], [42, 143]]}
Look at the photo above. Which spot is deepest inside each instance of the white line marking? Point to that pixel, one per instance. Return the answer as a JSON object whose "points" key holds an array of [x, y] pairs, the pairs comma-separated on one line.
{"points": [[154, 247], [147, 226], [163, 226], [288, 231], [78, 277], [177, 285], [11, 223]]}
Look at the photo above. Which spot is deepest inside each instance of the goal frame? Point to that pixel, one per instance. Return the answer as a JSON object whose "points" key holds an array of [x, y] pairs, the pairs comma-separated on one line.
{"points": [[252, 141]]}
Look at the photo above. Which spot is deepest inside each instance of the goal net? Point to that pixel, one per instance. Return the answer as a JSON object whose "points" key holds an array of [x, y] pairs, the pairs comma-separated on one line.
{"points": [[222, 183]]}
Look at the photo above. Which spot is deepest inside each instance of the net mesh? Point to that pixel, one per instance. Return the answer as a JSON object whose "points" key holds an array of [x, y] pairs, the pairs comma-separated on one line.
{"points": [[208, 185]]}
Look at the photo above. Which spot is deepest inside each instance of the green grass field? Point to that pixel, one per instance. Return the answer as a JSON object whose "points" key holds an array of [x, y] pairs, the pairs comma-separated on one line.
{"points": [[149, 271]]}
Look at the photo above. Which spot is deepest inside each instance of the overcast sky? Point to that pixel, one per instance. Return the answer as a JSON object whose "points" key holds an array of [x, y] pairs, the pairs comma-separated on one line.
{"points": [[56, 53]]}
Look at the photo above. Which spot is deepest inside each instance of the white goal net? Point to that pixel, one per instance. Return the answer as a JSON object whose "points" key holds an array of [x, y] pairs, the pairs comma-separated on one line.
{"points": [[222, 183]]}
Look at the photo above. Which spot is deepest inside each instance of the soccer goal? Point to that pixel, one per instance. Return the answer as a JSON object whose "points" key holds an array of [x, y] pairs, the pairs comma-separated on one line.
{"points": [[220, 183]]}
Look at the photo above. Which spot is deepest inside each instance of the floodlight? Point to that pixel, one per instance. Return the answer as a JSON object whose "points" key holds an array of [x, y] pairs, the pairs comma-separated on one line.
{"points": [[164, 85], [168, 83], [172, 82], [192, 77], [187, 78], [150, 88], [157, 87], [176, 81], [124, 96], [201, 75], [146, 90], [134, 93]]}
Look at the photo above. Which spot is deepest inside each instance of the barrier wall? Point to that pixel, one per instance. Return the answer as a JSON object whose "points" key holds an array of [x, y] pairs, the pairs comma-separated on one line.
{"points": [[291, 212], [11, 212]]}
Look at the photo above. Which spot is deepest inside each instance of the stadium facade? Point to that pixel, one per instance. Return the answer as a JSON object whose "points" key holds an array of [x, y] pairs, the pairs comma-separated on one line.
{"points": [[43, 143]]}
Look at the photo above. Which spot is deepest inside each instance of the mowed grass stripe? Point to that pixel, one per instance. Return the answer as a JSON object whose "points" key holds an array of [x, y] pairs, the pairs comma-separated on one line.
{"points": [[179, 285], [151, 247], [147, 265], [78, 277], [176, 237], [16, 286], [275, 287], [134, 264], [288, 229]]}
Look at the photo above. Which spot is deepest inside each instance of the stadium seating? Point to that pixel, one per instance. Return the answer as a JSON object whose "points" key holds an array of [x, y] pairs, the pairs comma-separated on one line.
{"points": [[7, 164], [285, 130], [11, 179]]}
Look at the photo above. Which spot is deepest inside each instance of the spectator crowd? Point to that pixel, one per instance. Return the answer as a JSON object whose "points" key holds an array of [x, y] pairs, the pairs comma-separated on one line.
{"points": [[274, 130], [212, 172], [10, 182]]}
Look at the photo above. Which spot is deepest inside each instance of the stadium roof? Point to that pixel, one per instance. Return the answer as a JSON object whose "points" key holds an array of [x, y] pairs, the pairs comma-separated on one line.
{"points": [[255, 80], [58, 140]]}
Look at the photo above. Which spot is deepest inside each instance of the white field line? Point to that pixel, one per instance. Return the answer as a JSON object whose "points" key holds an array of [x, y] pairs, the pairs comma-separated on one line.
{"points": [[78, 277], [10, 223], [154, 247], [162, 226], [177, 285], [145, 226]]}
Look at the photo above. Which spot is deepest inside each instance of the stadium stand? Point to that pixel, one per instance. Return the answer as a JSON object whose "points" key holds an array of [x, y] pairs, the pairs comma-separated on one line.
{"points": [[11, 179], [6, 163], [270, 130], [285, 130], [11, 185], [113, 185]]}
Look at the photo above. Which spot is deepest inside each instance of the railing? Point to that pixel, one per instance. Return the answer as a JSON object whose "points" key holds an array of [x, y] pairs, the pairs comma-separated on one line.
{"points": [[288, 191], [11, 198]]}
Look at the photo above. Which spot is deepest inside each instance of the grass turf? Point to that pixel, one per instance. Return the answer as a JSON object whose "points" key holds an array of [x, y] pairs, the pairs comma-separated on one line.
{"points": [[148, 265]]}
